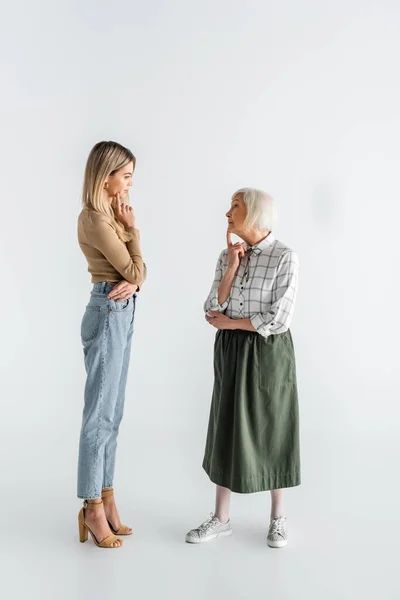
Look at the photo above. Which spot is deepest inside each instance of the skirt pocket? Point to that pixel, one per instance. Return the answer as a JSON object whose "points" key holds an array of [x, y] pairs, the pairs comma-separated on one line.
{"points": [[276, 362], [287, 340]]}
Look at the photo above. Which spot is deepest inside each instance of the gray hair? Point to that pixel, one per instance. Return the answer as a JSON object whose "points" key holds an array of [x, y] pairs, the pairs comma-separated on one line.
{"points": [[261, 209]]}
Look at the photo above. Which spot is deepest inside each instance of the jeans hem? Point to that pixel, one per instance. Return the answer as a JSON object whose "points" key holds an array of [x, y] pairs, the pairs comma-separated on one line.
{"points": [[89, 497]]}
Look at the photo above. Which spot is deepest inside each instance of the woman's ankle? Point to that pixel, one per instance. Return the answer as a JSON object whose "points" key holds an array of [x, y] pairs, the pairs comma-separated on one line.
{"points": [[223, 519], [277, 514]]}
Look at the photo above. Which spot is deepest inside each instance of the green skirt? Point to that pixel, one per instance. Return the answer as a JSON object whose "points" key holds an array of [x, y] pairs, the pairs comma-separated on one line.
{"points": [[253, 432]]}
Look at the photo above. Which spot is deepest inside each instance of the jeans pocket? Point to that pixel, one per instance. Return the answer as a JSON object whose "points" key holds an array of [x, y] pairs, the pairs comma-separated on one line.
{"points": [[90, 323], [122, 305]]}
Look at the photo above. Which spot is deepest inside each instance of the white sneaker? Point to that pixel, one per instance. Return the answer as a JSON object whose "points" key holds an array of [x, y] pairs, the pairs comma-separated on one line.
{"points": [[209, 530], [277, 534]]}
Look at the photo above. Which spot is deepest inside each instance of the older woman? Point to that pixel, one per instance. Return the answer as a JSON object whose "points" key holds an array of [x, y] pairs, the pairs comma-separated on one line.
{"points": [[253, 433]]}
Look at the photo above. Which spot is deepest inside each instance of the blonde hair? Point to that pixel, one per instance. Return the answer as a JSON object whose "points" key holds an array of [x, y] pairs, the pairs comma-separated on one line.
{"points": [[261, 209], [104, 160]]}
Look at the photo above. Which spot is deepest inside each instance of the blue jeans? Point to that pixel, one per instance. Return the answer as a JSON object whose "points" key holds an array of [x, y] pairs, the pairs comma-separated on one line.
{"points": [[106, 334]]}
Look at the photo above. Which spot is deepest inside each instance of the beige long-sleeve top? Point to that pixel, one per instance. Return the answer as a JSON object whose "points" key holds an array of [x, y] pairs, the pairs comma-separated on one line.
{"points": [[108, 258]]}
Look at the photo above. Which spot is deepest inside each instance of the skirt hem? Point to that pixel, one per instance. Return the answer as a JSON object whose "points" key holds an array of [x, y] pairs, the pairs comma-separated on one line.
{"points": [[258, 484]]}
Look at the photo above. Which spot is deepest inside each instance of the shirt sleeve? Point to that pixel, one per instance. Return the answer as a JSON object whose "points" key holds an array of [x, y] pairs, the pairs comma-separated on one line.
{"points": [[126, 258], [279, 316], [212, 299]]}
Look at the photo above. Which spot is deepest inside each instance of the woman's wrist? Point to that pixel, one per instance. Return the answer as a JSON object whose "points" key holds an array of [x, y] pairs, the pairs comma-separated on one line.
{"points": [[243, 324], [135, 232], [231, 271]]}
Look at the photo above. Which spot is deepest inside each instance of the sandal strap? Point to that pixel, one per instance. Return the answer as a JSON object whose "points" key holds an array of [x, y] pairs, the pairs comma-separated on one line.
{"points": [[106, 543], [92, 505], [106, 493], [123, 530]]}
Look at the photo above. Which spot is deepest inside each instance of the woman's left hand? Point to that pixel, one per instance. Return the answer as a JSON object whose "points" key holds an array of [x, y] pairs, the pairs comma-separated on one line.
{"points": [[122, 291], [218, 320]]}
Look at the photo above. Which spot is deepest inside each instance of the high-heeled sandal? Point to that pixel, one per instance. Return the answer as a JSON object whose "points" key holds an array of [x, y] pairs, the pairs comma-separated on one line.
{"points": [[84, 529], [123, 530]]}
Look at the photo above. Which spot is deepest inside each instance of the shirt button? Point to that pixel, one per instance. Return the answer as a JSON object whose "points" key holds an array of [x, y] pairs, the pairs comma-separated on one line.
{"points": [[241, 304]]}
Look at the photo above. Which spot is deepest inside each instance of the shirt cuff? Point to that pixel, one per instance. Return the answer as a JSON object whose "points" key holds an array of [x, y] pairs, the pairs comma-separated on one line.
{"points": [[213, 304], [260, 325]]}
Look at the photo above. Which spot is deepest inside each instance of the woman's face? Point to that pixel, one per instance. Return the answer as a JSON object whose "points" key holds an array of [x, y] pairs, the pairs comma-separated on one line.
{"points": [[120, 181], [236, 215]]}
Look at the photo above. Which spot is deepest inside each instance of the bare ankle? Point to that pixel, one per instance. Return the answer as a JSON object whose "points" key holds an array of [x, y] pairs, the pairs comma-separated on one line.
{"points": [[223, 519], [277, 515]]}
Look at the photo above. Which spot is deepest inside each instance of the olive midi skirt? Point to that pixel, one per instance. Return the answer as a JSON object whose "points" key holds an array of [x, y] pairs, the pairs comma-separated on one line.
{"points": [[253, 432]]}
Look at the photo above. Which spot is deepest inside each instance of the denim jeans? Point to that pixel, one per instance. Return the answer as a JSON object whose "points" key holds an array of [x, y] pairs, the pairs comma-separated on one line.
{"points": [[106, 334]]}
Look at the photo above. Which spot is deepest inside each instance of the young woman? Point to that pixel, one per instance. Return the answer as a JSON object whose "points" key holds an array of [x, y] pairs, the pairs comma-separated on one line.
{"points": [[253, 433], [110, 241]]}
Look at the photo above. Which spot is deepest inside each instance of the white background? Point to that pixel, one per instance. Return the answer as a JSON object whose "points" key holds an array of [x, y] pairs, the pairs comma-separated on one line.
{"points": [[298, 98]]}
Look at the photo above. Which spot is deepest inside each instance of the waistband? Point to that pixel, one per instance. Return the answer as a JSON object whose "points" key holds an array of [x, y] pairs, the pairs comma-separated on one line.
{"points": [[103, 287], [255, 334]]}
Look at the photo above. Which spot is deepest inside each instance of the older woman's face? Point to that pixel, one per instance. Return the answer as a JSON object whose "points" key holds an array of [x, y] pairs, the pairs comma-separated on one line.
{"points": [[236, 214]]}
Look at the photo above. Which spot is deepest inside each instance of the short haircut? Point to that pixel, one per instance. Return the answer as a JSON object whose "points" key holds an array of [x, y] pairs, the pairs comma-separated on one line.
{"points": [[261, 209]]}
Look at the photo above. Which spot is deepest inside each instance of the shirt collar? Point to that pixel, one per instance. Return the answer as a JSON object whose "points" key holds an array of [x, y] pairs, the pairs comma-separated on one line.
{"points": [[258, 248]]}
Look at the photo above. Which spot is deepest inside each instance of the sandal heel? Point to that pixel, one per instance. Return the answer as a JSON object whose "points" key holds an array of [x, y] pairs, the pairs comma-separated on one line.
{"points": [[83, 532]]}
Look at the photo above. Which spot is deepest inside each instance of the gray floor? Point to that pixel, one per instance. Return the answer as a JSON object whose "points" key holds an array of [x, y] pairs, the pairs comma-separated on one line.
{"points": [[341, 544]]}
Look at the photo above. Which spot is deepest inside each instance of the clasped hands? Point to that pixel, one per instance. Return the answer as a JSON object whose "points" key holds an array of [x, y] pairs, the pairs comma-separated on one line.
{"points": [[219, 320]]}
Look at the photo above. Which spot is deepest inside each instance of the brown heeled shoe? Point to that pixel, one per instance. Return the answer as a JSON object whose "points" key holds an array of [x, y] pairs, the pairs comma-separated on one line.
{"points": [[123, 530], [84, 529]]}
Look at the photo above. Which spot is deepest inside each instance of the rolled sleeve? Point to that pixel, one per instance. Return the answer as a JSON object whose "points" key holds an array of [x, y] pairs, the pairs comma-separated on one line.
{"points": [[279, 316], [212, 302], [212, 299]]}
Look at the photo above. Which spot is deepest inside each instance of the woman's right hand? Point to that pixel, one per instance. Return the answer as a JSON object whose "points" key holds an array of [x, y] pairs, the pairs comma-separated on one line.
{"points": [[124, 213], [235, 252]]}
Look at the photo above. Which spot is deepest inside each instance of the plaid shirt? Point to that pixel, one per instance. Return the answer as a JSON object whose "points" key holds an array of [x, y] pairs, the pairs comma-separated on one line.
{"points": [[264, 288]]}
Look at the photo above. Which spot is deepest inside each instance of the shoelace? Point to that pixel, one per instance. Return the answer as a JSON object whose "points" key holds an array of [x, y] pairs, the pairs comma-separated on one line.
{"points": [[277, 527], [207, 525]]}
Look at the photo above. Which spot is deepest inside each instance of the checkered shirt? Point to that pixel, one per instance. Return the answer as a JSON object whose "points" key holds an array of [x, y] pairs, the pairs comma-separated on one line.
{"points": [[264, 288]]}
